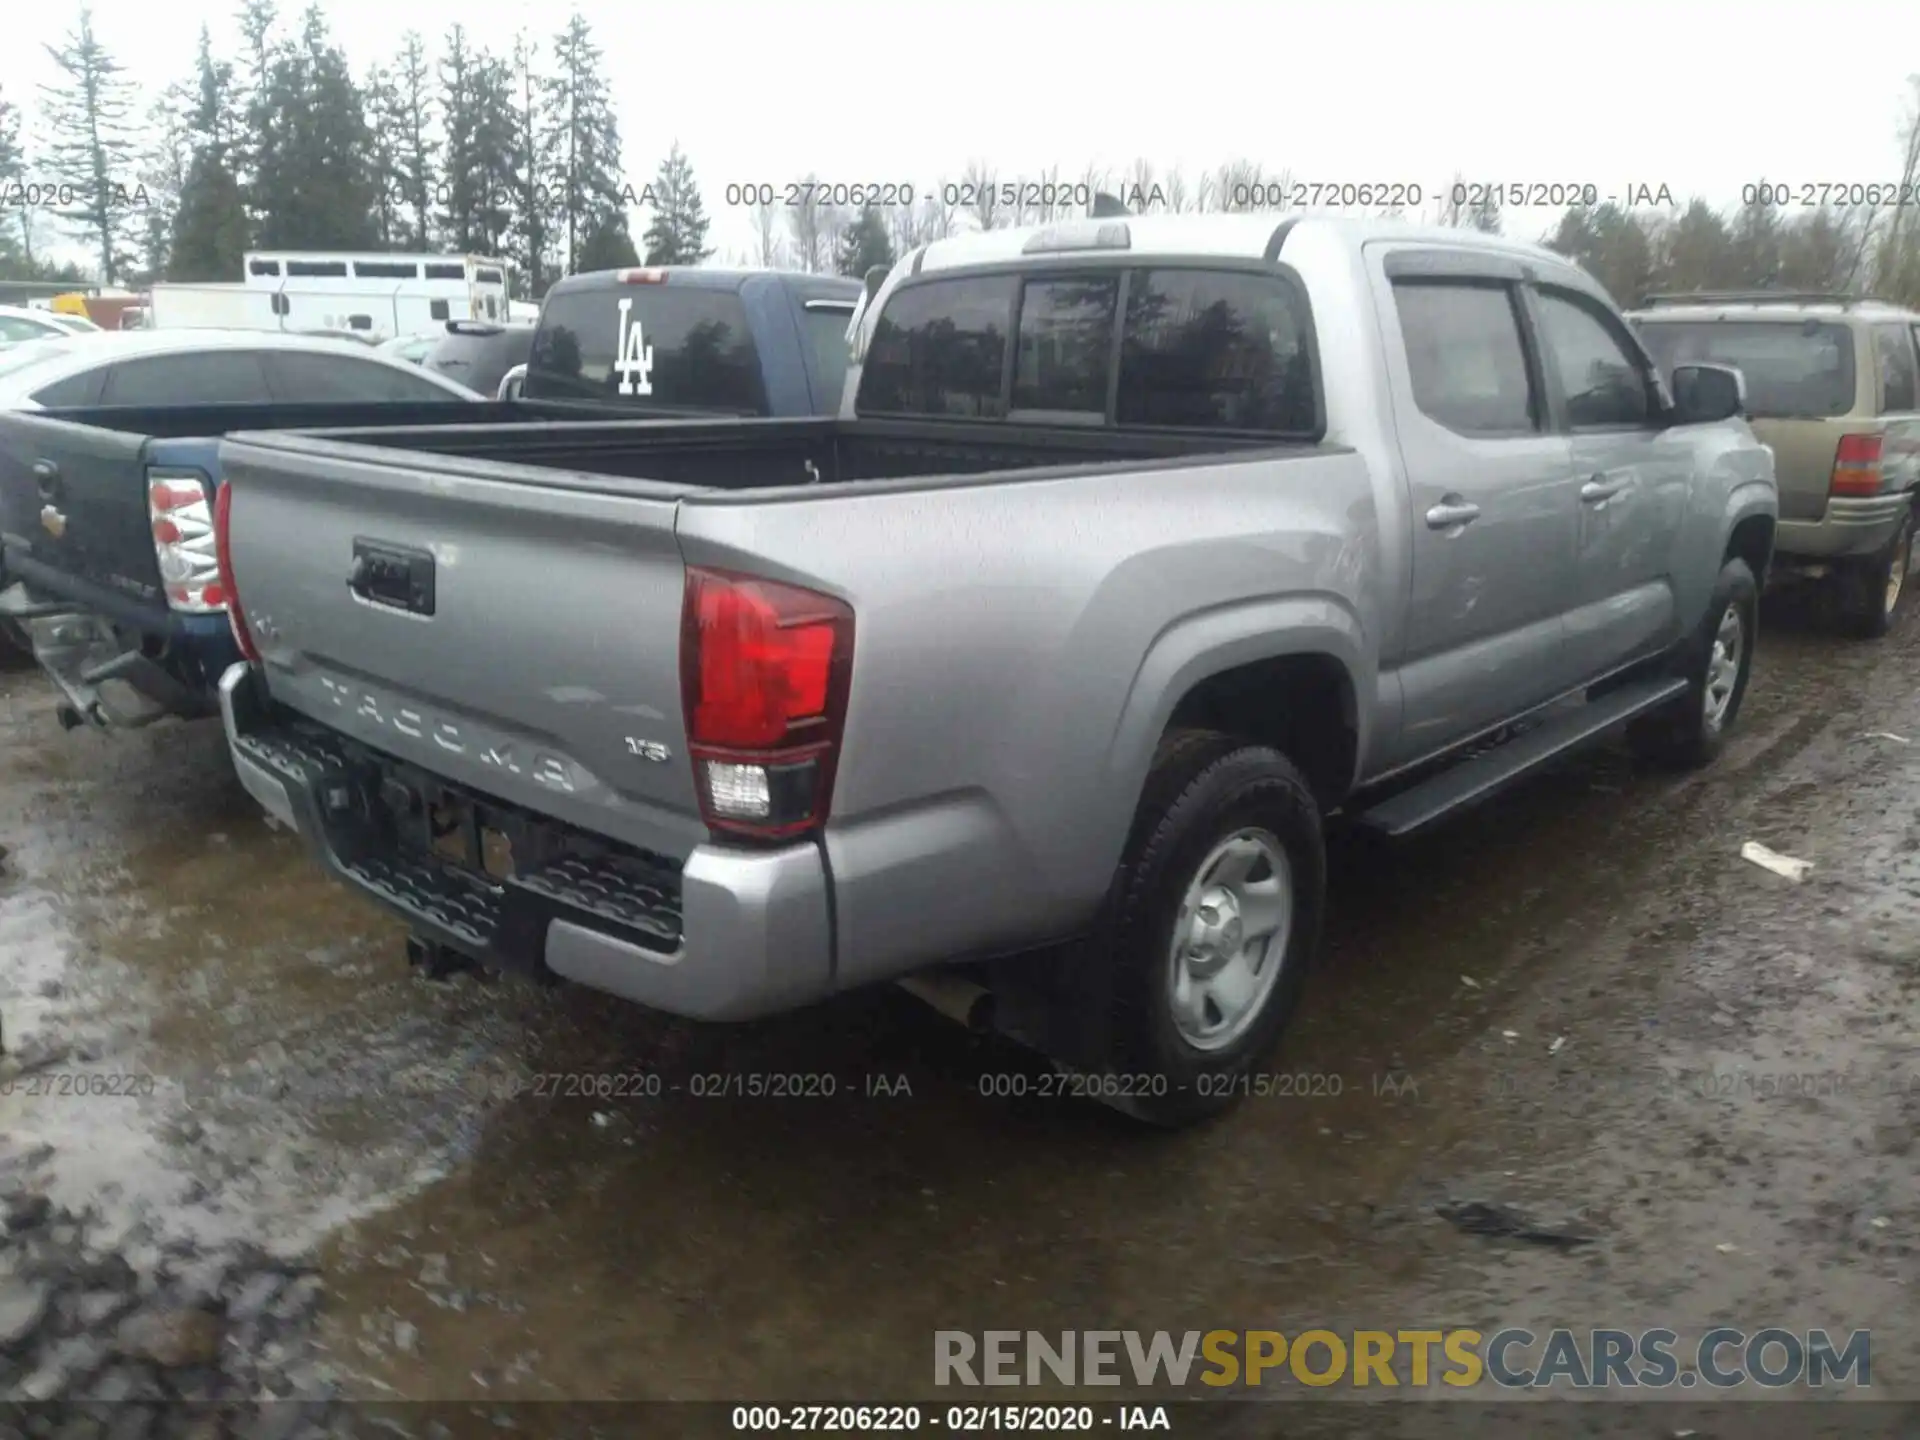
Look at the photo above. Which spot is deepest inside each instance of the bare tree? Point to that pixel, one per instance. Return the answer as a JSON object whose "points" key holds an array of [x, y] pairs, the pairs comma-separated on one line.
{"points": [[1093, 180], [1140, 190], [1896, 262], [766, 234], [813, 228], [1454, 210], [980, 194], [1182, 197], [1244, 185]]}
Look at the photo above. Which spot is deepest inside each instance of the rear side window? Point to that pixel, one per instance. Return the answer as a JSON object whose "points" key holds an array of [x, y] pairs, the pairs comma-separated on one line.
{"points": [[1065, 351], [1464, 356], [1793, 368], [81, 389], [702, 348], [825, 328], [319, 379], [213, 377], [12, 327], [479, 362], [941, 349], [1897, 379]]}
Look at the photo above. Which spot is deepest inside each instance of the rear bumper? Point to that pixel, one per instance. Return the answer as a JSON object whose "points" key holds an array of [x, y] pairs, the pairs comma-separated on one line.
{"points": [[1852, 526], [729, 935]]}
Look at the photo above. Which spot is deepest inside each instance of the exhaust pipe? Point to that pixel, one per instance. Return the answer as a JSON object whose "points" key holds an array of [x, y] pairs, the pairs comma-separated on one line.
{"points": [[959, 1000]]}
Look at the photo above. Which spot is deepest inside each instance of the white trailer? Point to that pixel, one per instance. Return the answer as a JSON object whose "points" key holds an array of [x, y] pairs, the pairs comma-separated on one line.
{"points": [[375, 295], [209, 307]]}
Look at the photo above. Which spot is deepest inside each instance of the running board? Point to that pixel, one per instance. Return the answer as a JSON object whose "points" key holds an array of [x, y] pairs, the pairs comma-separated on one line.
{"points": [[1471, 781]]}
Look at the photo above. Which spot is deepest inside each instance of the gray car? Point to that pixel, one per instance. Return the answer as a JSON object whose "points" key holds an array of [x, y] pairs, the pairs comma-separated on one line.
{"points": [[1142, 546]]}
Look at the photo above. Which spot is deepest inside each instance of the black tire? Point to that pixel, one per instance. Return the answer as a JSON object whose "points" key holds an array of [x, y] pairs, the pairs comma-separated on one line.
{"points": [[1871, 589], [15, 653], [1687, 734], [1205, 789]]}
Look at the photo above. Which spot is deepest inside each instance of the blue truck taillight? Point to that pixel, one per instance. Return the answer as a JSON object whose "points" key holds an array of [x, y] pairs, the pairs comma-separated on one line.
{"points": [[180, 513]]}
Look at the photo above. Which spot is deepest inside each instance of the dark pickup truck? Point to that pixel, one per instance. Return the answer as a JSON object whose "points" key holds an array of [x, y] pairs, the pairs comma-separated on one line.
{"points": [[108, 573]]}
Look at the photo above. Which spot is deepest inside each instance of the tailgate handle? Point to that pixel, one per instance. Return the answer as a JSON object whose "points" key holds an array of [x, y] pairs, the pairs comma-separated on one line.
{"points": [[46, 475], [396, 576]]}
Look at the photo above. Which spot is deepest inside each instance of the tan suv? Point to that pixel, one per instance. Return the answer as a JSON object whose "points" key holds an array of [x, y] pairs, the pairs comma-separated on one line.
{"points": [[1833, 386]]}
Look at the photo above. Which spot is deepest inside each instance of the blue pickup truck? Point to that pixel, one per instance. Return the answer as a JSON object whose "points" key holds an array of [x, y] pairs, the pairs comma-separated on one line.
{"points": [[108, 575]]}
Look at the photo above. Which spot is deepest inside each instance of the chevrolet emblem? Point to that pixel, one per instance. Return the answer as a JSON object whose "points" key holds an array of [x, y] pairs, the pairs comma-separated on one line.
{"points": [[52, 521]]}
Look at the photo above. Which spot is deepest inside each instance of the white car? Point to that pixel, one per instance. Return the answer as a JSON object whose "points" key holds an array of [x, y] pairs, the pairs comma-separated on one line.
{"points": [[208, 367], [18, 323]]}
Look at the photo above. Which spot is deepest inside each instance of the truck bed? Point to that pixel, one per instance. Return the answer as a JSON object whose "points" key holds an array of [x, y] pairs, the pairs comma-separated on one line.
{"points": [[89, 464], [736, 454]]}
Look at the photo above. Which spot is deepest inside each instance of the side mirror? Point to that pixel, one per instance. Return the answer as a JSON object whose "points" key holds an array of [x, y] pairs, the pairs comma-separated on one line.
{"points": [[512, 383], [1703, 394]]}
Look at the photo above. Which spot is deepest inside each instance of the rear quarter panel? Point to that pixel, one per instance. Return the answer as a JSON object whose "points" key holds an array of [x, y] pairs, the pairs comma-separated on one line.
{"points": [[1019, 645]]}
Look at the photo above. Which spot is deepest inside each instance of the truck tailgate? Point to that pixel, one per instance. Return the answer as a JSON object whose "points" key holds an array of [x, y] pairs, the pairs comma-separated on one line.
{"points": [[518, 638], [74, 498]]}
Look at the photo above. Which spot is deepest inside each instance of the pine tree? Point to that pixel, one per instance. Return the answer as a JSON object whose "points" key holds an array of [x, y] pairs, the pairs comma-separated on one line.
{"points": [[533, 165], [258, 20], [591, 209], [91, 145], [314, 189], [382, 99], [165, 161], [482, 128], [211, 226], [412, 119], [677, 234], [1485, 213], [15, 247], [864, 244], [609, 246]]}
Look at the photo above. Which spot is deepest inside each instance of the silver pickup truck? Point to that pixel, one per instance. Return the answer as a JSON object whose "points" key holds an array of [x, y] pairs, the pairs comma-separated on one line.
{"points": [[1141, 548]]}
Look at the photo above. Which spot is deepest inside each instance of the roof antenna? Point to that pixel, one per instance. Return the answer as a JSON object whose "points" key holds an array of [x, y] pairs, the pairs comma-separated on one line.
{"points": [[1106, 207]]}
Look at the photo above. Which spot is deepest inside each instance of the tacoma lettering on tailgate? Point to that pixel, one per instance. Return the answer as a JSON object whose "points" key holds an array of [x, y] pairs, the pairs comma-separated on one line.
{"points": [[541, 766]]}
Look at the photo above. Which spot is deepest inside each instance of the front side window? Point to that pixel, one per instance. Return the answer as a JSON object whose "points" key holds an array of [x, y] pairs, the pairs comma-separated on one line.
{"points": [[1602, 381]]}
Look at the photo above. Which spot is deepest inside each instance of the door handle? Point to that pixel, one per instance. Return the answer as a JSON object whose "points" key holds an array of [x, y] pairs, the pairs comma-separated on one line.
{"points": [[46, 477], [1452, 512], [1599, 489]]}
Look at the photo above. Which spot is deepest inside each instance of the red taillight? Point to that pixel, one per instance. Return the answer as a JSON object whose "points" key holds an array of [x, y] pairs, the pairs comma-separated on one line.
{"points": [[1856, 465], [222, 549], [765, 669], [640, 277]]}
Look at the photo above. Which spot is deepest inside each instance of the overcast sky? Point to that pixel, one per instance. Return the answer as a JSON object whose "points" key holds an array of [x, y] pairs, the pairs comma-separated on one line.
{"points": [[1699, 97]]}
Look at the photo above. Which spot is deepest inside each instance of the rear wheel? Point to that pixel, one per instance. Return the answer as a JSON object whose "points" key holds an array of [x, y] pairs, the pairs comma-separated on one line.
{"points": [[1870, 589], [1209, 930], [1717, 663]]}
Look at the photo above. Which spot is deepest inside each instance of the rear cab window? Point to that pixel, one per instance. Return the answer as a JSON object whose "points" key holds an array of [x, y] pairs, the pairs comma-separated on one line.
{"points": [[1181, 346], [695, 340], [1794, 369]]}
